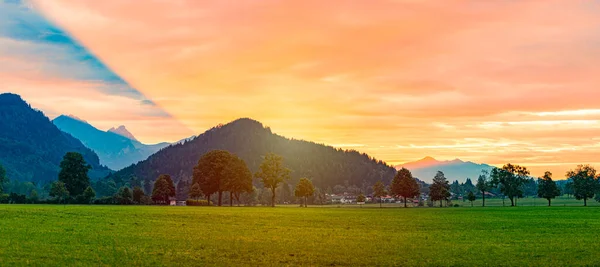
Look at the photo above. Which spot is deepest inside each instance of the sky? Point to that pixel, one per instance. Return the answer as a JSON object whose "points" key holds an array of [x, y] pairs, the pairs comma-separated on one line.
{"points": [[486, 81]]}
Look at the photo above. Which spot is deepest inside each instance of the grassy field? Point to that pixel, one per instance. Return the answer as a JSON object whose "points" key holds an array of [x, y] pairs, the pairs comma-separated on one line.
{"points": [[182, 236]]}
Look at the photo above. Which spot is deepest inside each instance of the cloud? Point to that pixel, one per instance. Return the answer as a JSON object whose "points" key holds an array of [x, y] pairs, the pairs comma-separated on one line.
{"points": [[378, 73], [54, 72]]}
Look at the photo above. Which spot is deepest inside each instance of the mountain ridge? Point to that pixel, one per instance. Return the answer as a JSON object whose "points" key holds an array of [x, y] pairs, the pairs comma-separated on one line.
{"points": [[251, 140], [456, 169], [32, 147], [114, 150]]}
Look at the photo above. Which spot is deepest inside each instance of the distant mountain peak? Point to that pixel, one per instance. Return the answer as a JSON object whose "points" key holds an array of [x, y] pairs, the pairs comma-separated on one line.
{"points": [[455, 169], [428, 159], [122, 131], [75, 118]]}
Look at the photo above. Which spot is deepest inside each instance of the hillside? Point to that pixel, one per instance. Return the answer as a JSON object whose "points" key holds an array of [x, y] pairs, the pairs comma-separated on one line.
{"points": [[114, 150], [32, 147], [426, 168], [250, 140]]}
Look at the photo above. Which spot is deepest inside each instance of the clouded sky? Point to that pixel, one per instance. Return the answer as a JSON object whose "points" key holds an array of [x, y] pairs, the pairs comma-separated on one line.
{"points": [[487, 81]]}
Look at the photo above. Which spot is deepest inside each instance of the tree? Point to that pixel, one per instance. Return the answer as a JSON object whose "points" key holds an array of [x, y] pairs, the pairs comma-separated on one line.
{"points": [[468, 186], [74, 173], [89, 194], [456, 189], [404, 185], [138, 194], [547, 188], [34, 197], [272, 172], [360, 198], [59, 190], [195, 191], [440, 189], [379, 191], [212, 171], [510, 179], [163, 189], [585, 182], [124, 196], [483, 185], [471, 197], [238, 179], [2, 179], [304, 189]]}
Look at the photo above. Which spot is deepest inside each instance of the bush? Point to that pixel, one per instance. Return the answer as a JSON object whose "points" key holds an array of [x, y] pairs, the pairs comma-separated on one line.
{"points": [[456, 205], [191, 202], [3, 199], [105, 201], [146, 200]]}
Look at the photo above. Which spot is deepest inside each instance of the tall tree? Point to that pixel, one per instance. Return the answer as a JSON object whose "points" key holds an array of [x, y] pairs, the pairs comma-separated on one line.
{"points": [[272, 172], [585, 182], [440, 189], [304, 189], [237, 180], [510, 179], [59, 190], [547, 188], [471, 197], [404, 185], [195, 191], [379, 191], [483, 185], [74, 173], [211, 171], [163, 189]]}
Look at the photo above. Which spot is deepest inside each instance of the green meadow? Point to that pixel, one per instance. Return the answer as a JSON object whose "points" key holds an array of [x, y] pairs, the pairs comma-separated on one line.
{"points": [[54, 235]]}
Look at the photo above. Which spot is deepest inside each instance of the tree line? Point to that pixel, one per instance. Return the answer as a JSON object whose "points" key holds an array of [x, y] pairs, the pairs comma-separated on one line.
{"points": [[218, 172]]}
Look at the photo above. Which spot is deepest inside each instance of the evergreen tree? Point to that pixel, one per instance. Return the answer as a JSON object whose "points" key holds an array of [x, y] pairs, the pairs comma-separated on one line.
{"points": [[195, 191], [440, 189], [404, 185]]}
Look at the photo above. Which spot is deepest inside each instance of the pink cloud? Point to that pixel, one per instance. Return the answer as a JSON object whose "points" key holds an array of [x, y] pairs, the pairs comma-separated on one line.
{"points": [[378, 73]]}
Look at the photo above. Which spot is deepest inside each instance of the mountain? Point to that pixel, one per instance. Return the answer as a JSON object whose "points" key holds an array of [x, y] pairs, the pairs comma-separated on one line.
{"points": [[250, 140], [122, 131], [426, 168], [114, 150], [32, 147]]}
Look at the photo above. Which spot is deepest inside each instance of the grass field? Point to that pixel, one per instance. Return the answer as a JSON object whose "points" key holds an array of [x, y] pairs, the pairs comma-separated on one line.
{"points": [[51, 235]]}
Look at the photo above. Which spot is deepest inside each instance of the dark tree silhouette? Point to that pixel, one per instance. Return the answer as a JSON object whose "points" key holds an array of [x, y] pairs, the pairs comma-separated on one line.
{"points": [[404, 185]]}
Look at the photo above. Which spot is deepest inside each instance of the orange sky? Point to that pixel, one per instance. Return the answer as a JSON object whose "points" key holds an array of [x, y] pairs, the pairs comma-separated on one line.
{"points": [[487, 81]]}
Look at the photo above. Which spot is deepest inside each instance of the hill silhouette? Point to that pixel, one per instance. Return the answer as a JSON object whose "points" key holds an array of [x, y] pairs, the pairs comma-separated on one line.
{"points": [[32, 147], [326, 166]]}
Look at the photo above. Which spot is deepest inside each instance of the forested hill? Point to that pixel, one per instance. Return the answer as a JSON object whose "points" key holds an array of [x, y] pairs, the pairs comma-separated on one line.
{"points": [[250, 140], [32, 147]]}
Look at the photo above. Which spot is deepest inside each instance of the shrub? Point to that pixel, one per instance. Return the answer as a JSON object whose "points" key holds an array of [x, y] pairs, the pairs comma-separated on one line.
{"points": [[192, 202], [456, 205], [105, 201]]}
